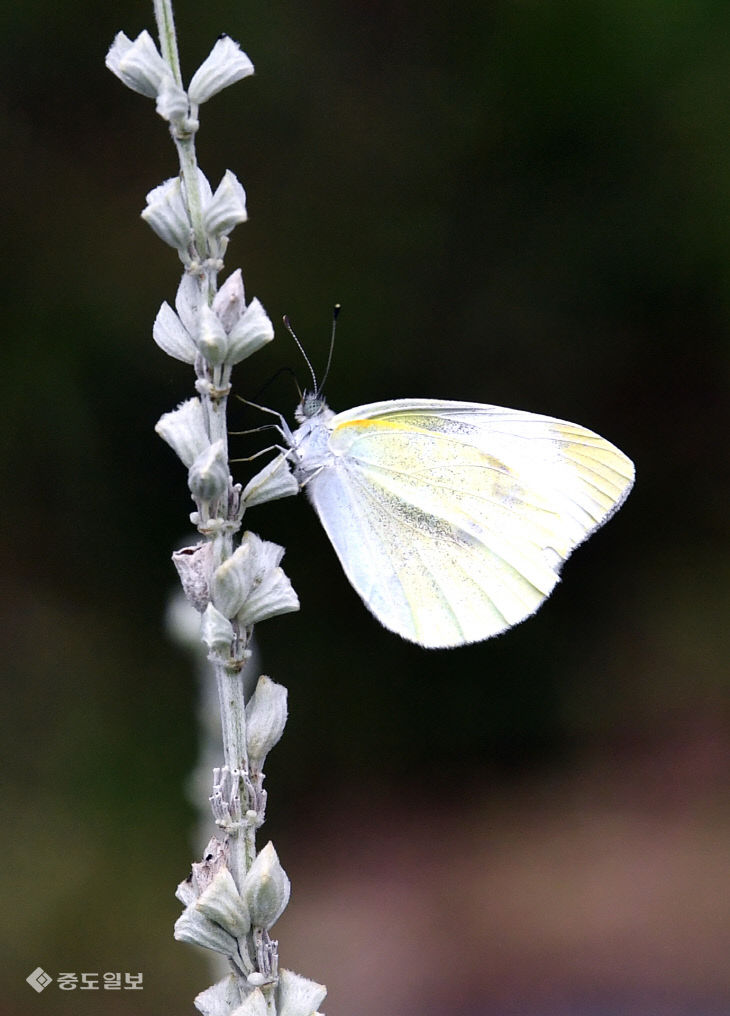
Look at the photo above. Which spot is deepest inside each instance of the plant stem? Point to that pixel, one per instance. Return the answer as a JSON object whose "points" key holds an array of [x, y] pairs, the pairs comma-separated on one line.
{"points": [[184, 141], [229, 677], [168, 37], [235, 758]]}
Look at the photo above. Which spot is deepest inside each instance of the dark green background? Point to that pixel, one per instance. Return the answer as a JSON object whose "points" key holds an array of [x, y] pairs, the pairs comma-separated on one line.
{"points": [[524, 203]]}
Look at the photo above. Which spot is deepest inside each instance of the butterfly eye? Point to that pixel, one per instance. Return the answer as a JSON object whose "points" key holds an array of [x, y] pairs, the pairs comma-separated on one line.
{"points": [[312, 405]]}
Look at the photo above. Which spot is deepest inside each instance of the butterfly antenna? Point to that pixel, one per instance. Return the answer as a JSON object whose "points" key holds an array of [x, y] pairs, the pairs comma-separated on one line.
{"points": [[289, 328], [335, 314]]}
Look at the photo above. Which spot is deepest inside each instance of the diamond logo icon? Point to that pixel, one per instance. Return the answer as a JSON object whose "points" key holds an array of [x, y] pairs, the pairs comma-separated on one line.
{"points": [[39, 979]]}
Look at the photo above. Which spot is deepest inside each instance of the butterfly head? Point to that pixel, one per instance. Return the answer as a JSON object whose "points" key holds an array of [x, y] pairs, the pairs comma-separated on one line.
{"points": [[312, 404]]}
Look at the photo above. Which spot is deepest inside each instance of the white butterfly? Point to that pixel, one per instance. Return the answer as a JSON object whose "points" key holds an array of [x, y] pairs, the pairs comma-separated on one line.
{"points": [[452, 519]]}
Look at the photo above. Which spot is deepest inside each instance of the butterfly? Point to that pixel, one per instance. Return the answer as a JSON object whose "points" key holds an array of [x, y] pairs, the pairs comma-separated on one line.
{"points": [[452, 520]]}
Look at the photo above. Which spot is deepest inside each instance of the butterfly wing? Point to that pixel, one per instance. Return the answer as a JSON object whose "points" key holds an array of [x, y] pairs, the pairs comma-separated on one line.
{"points": [[452, 520]]}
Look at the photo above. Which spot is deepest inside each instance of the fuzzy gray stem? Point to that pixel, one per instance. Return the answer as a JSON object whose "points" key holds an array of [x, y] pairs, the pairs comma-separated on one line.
{"points": [[235, 756], [168, 37]]}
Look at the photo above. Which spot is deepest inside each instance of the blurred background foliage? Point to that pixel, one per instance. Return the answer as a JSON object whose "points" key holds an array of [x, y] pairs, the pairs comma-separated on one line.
{"points": [[516, 201]]}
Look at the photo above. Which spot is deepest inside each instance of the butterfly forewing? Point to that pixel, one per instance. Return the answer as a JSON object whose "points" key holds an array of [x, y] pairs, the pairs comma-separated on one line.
{"points": [[452, 520]]}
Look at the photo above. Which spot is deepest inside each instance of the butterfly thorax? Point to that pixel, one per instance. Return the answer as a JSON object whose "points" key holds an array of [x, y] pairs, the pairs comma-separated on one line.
{"points": [[311, 439]]}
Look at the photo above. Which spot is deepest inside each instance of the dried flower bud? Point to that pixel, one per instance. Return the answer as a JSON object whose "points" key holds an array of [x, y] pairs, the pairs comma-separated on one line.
{"points": [[185, 892], [208, 476], [172, 336], [252, 331], [273, 481], [225, 64], [297, 995], [265, 719], [166, 213], [211, 339], [250, 586], [269, 591], [216, 631], [227, 207], [220, 999], [204, 188], [232, 581], [193, 565], [222, 903], [230, 300], [188, 301], [215, 858], [230, 331], [184, 430], [138, 64], [266, 888], [192, 926], [272, 596], [254, 1004]]}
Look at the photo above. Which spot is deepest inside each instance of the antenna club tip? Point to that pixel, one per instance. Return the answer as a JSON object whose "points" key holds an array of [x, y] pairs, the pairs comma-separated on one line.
{"points": [[336, 310]]}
